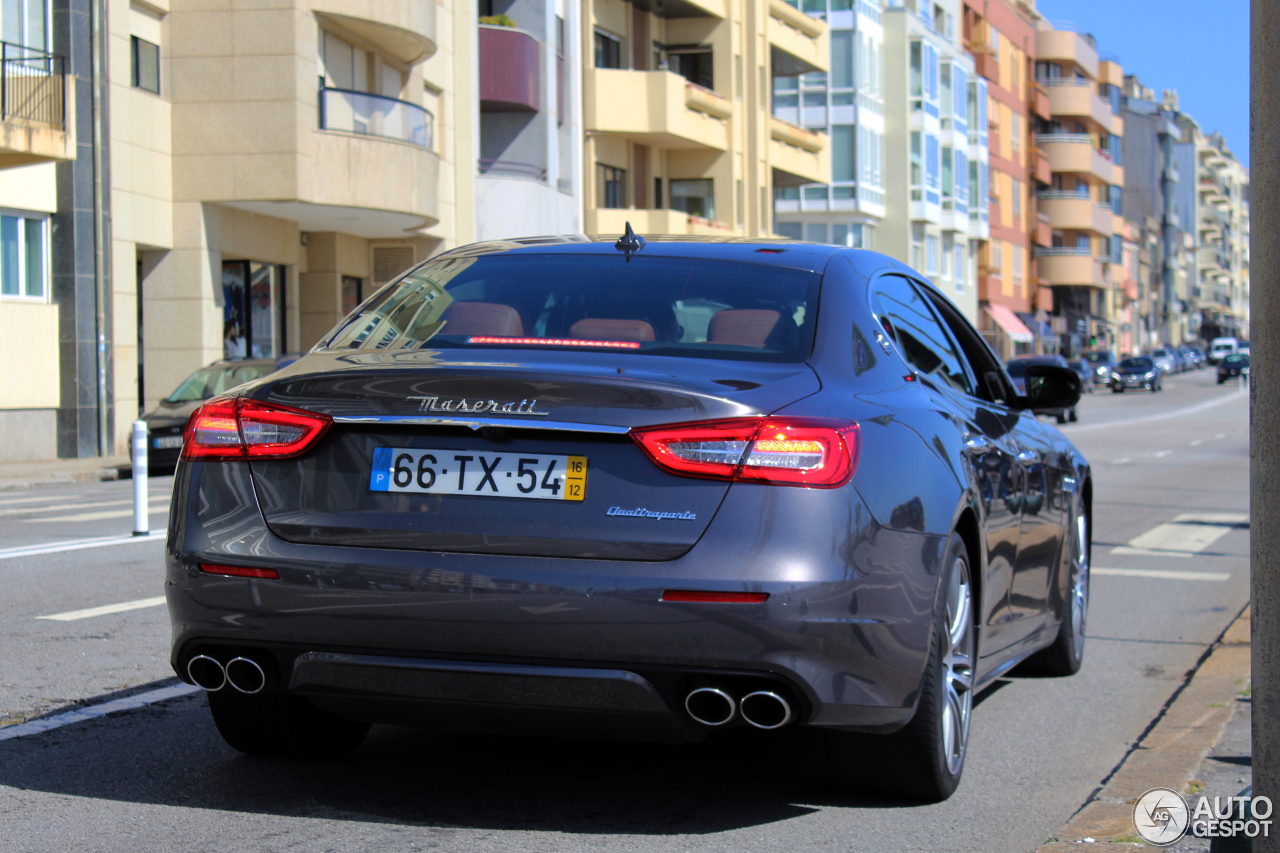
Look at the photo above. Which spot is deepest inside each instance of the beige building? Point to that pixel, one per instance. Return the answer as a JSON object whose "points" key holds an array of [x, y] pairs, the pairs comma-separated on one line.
{"points": [[1222, 257], [679, 135]]}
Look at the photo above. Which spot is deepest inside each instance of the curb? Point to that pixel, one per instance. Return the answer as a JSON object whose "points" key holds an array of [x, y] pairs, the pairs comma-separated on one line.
{"points": [[63, 478], [1170, 752]]}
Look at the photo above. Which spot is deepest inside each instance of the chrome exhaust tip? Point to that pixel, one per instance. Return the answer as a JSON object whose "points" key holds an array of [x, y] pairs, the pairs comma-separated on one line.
{"points": [[206, 672], [245, 675], [710, 706], [765, 709]]}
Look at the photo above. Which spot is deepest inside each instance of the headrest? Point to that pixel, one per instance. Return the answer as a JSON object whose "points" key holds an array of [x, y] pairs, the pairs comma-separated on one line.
{"points": [[601, 329], [744, 327], [482, 318]]}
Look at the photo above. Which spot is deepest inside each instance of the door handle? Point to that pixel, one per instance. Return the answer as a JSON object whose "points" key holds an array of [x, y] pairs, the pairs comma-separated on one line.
{"points": [[1027, 457]]}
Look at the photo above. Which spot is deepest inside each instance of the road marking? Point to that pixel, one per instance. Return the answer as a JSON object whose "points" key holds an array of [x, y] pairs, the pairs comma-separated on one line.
{"points": [[80, 715], [95, 516], [1073, 428], [1186, 536], [1123, 460], [1220, 435], [77, 545], [1163, 453], [28, 510], [1197, 442], [73, 615], [1163, 574]]}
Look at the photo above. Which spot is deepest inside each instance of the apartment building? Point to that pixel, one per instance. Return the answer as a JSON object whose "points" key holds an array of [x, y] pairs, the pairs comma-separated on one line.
{"points": [[937, 185], [679, 137], [1222, 222], [53, 284], [1083, 144], [846, 102], [1014, 306], [529, 179]]}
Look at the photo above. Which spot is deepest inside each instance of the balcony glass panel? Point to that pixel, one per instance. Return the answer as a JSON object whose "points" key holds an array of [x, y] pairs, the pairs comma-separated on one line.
{"points": [[375, 115]]}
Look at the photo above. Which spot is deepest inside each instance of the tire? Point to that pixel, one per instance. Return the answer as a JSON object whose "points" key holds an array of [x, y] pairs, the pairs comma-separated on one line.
{"points": [[1221, 380], [924, 760], [1067, 652], [1062, 417], [282, 724], [1071, 415], [1155, 386]]}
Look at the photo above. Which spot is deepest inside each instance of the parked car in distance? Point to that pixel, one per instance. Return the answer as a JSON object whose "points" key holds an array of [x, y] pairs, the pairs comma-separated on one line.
{"points": [[1221, 347], [1164, 359], [1081, 366], [1193, 355], [1017, 368], [653, 490], [1234, 366], [1140, 371], [1101, 362], [166, 422]]}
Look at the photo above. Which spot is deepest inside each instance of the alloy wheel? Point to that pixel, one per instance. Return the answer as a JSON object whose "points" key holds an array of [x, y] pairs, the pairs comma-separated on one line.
{"points": [[957, 665]]}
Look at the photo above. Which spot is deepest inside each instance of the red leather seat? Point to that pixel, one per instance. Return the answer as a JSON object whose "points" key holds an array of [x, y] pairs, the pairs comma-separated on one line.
{"points": [[602, 329], [744, 327], [488, 319]]}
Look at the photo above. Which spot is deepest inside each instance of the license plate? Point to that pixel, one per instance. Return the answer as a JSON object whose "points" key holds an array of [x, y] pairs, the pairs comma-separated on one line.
{"points": [[482, 473], [168, 442]]}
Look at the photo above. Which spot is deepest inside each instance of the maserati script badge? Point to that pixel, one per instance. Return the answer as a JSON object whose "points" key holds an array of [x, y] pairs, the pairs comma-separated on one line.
{"points": [[456, 406]]}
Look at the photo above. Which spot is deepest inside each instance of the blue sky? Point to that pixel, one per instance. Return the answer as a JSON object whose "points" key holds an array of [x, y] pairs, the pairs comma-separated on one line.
{"points": [[1201, 49]]}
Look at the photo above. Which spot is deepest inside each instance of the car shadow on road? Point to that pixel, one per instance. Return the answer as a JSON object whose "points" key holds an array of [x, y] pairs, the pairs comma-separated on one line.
{"points": [[171, 755]]}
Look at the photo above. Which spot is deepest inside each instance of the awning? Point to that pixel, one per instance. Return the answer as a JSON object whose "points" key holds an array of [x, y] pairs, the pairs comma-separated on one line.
{"points": [[1007, 320]]}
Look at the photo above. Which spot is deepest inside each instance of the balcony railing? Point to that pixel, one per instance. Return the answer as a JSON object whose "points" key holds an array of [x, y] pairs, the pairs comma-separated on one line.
{"points": [[1062, 251], [1077, 138], [362, 113], [512, 169], [32, 85], [1049, 195], [1062, 81]]}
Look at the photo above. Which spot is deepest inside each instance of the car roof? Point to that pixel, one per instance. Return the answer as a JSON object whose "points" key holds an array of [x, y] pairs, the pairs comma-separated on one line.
{"points": [[792, 254]]}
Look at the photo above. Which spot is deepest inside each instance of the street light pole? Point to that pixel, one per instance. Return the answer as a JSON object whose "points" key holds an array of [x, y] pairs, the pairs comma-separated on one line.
{"points": [[1264, 399]]}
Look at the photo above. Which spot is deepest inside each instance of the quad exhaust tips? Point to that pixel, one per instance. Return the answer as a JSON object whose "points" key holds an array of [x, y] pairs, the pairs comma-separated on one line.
{"points": [[243, 674], [763, 709]]}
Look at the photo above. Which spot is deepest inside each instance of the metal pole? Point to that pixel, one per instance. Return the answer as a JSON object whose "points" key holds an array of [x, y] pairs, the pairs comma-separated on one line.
{"points": [[141, 523], [1264, 400], [101, 251]]}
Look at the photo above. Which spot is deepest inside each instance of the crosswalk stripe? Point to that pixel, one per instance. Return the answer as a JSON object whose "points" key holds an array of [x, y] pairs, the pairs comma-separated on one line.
{"points": [[77, 545], [32, 510], [129, 703], [1185, 536], [73, 615], [95, 516], [1163, 574]]}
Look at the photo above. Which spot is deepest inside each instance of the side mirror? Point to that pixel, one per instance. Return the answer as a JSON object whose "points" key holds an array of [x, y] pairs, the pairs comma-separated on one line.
{"points": [[1051, 387]]}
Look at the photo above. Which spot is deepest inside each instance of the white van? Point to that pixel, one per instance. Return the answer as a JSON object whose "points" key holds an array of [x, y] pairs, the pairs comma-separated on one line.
{"points": [[1222, 347]]}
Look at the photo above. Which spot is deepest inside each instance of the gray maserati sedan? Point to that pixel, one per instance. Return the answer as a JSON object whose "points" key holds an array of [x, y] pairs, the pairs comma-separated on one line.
{"points": [[646, 490]]}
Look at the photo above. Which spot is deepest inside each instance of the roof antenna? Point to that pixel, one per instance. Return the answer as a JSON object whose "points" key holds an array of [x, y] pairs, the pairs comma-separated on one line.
{"points": [[630, 243]]}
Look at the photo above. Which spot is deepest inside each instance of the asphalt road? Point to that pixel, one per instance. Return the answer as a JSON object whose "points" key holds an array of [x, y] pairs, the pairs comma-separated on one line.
{"points": [[160, 778]]}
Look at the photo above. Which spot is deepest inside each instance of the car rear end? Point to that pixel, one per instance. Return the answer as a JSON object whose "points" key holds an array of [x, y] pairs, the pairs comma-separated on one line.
{"points": [[523, 489]]}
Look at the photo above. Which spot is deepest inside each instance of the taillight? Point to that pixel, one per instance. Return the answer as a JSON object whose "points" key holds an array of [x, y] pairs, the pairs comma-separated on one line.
{"points": [[236, 428], [813, 452]]}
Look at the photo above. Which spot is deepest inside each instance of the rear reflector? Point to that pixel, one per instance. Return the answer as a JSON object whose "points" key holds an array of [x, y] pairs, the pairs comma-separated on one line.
{"points": [[706, 596], [236, 428], [554, 342], [812, 452], [239, 571]]}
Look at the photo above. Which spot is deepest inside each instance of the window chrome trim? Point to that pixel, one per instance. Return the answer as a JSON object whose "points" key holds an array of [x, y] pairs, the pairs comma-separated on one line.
{"points": [[480, 423]]}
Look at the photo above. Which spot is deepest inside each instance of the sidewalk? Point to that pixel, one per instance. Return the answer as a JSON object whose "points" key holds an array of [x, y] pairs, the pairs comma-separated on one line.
{"points": [[59, 472], [1171, 752]]}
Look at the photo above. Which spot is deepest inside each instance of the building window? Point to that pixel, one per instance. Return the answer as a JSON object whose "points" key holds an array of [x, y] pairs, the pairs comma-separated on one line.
{"points": [[931, 254], [917, 159], [694, 196], [253, 309], [352, 293], [842, 153], [815, 232], [23, 23], [790, 230], [146, 65], [842, 59], [1015, 131], [1016, 192], [1017, 266], [24, 269], [692, 63], [612, 184], [608, 50]]}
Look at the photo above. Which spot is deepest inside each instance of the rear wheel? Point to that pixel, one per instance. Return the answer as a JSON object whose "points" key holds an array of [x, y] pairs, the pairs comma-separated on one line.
{"points": [[1067, 652], [1072, 416], [1062, 417], [282, 724], [924, 760]]}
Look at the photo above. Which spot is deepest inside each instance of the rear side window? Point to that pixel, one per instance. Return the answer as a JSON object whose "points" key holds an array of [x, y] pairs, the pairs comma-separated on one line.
{"points": [[926, 347], [655, 304]]}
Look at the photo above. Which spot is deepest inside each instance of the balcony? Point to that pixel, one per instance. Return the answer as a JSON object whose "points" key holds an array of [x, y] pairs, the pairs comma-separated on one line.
{"points": [[682, 8], [608, 222], [1071, 152], [1066, 46], [367, 114], [1075, 212], [796, 155], [655, 108], [1043, 235], [406, 29], [1071, 97], [798, 43], [1070, 267], [35, 106], [986, 63], [510, 70], [1038, 100], [1041, 170]]}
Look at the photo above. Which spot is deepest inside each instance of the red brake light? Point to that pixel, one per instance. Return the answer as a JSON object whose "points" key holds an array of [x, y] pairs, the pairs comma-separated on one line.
{"points": [[239, 571], [226, 428], [812, 452], [707, 596]]}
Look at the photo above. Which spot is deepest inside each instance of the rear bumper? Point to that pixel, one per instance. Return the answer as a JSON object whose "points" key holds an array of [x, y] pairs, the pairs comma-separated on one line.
{"points": [[390, 634]]}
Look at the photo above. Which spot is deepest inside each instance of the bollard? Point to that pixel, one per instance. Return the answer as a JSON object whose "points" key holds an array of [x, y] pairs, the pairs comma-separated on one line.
{"points": [[141, 524]]}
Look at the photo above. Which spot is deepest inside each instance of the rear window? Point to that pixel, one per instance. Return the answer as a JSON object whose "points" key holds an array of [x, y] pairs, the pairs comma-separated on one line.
{"points": [[1096, 357], [211, 381], [1137, 363], [655, 304]]}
